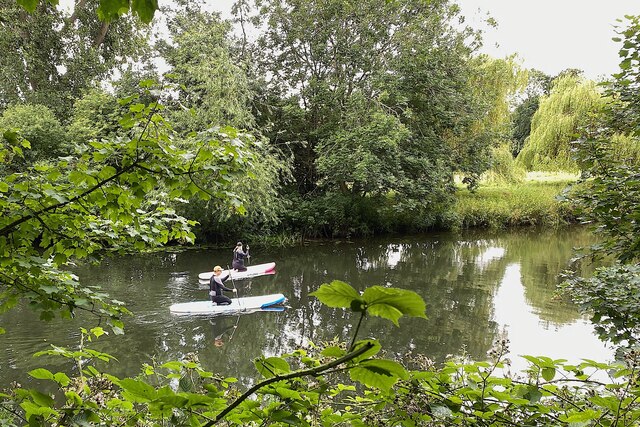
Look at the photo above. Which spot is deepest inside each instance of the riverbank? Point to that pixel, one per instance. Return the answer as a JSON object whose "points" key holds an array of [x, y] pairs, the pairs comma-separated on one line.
{"points": [[534, 201], [494, 205]]}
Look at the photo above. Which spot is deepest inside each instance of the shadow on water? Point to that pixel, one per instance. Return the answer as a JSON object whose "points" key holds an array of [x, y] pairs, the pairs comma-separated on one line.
{"points": [[477, 286]]}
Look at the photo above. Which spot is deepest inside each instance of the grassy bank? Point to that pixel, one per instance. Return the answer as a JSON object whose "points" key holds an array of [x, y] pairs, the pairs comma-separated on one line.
{"points": [[531, 202]]}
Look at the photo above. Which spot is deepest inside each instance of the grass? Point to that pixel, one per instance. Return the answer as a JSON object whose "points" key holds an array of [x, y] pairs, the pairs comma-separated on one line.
{"points": [[531, 202]]}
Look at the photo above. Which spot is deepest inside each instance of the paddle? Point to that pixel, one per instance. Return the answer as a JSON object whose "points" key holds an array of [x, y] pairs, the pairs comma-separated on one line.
{"points": [[234, 287]]}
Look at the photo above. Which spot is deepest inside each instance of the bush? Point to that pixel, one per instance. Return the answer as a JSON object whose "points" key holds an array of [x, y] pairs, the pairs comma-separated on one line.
{"points": [[38, 125], [528, 203]]}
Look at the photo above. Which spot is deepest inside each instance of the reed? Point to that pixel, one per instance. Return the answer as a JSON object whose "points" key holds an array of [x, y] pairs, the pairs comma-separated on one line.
{"points": [[533, 202]]}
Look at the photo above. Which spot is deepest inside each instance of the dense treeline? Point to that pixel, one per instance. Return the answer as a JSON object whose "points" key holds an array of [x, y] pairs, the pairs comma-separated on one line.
{"points": [[362, 122]]}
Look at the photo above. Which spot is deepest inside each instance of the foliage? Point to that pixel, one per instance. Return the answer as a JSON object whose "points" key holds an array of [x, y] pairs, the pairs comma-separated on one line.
{"points": [[495, 82], [213, 86], [214, 90], [50, 58], [538, 85], [334, 215], [612, 297], [369, 65], [38, 125], [608, 198], [95, 117], [293, 388], [363, 157], [334, 384], [571, 105], [337, 215], [107, 11], [625, 117], [511, 205], [256, 189], [503, 167], [107, 194]]}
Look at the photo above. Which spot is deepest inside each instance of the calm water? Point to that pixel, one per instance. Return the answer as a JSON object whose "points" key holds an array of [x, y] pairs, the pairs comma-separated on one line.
{"points": [[477, 286]]}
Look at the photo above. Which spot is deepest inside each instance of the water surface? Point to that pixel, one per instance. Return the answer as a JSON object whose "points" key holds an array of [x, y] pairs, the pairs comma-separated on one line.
{"points": [[478, 287]]}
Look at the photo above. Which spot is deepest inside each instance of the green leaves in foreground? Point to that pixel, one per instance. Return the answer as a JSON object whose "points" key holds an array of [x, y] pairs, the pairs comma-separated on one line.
{"points": [[388, 303]]}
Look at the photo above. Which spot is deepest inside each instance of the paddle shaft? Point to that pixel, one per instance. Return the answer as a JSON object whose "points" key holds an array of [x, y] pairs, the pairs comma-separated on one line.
{"points": [[234, 287]]}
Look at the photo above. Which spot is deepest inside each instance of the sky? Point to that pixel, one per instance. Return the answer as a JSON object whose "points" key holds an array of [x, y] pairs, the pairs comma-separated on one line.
{"points": [[549, 35], [553, 35]]}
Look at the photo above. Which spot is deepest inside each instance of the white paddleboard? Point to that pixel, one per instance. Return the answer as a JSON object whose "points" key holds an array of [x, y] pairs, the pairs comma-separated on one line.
{"points": [[252, 271], [237, 304]]}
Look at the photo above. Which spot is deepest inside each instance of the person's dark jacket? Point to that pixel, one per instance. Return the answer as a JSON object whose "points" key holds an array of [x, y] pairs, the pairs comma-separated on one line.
{"points": [[216, 286]]}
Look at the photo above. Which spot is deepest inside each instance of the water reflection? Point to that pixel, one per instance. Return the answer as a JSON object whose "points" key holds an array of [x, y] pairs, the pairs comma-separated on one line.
{"points": [[475, 285], [526, 329]]}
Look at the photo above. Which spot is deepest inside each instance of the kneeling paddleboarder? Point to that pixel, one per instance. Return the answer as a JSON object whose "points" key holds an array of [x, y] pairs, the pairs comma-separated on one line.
{"points": [[216, 286]]}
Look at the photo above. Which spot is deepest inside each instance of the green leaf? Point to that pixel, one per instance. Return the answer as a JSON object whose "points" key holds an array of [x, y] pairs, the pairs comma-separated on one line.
{"points": [[41, 398], [609, 402], [272, 366], [333, 351], [287, 393], [145, 9], [137, 391], [583, 416], [4, 187], [136, 108], [548, 373], [28, 5], [381, 374], [337, 294], [369, 353], [110, 9], [393, 303], [41, 374], [62, 379]]}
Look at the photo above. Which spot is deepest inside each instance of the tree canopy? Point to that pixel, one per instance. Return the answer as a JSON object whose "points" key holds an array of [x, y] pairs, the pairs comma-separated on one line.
{"points": [[51, 58], [571, 105]]}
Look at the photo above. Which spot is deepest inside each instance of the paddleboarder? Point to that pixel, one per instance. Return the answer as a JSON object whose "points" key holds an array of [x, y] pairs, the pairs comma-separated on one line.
{"points": [[238, 257], [216, 286]]}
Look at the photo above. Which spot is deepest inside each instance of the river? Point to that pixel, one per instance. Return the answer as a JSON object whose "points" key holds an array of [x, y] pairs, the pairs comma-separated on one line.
{"points": [[478, 286]]}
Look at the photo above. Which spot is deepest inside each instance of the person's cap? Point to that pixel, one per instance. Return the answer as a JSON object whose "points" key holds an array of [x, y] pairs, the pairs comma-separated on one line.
{"points": [[217, 268]]}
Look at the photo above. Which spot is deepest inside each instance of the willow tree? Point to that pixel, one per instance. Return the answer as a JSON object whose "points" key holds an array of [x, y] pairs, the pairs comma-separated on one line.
{"points": [[570, 106], [494, 83], [213, 84], [215, 91]]}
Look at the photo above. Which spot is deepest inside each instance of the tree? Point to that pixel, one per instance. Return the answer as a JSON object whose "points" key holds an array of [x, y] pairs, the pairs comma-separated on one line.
{"points": [[334, 64], [570, 106], [95, 117], [608, 198], [49, 58], [213, 85], [364, 156], [107, 10], [537, 86], [215, 91], [494, 82]]}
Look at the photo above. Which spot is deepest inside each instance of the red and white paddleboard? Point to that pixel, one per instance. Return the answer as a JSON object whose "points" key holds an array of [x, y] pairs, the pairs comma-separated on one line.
{"points": [[252, 271]]}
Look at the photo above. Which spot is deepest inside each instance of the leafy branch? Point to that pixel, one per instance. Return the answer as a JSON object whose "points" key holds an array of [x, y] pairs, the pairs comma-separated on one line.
{"points": [[315, 371]]}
